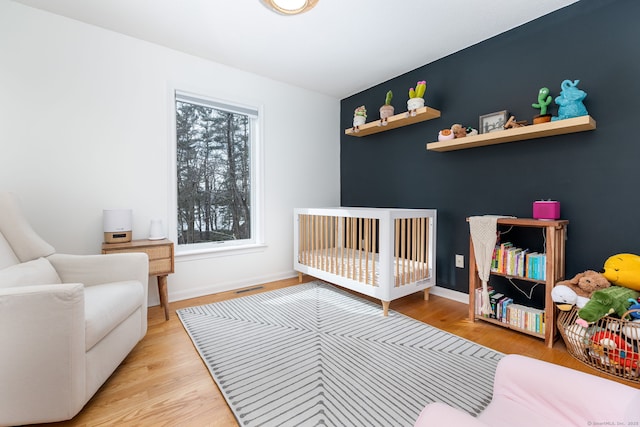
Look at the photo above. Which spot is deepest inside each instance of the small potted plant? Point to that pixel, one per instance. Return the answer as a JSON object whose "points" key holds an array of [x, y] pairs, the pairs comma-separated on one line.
{"points": [[387, 109], [359, 116], [544, 99], [416, 96]]}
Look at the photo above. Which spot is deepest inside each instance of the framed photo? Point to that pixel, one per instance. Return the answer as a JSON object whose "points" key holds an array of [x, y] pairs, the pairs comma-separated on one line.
{"points": [[493, 122]]}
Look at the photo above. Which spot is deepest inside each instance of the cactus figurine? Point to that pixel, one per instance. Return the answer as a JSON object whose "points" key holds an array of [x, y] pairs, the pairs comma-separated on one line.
{"points": [[387, 109], [387, 100], [359, 116], [544, 99], [419, 91], [416, 96]]}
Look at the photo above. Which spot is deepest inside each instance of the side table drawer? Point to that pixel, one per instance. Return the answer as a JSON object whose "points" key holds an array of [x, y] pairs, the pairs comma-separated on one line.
{"points": [[154, 253], [158, 252], [159, 266]]}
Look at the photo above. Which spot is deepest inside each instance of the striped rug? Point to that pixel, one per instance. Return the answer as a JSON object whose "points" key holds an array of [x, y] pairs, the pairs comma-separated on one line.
{"points": [[315, 355]]}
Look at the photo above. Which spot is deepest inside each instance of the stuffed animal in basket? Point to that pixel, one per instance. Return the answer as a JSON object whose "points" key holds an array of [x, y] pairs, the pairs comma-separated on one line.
{"points": [[611, 300], [578, 290], [634, 309], [612, 349], [623, 270]]}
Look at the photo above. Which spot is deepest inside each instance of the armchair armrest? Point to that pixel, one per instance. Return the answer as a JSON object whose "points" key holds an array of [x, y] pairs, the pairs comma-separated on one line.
{"points": [[101, 269], [97, 269], [42, 368]]}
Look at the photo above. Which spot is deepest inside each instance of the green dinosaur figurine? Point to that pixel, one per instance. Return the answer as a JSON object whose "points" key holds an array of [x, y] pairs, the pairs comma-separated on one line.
{"points": [[544, 99]]}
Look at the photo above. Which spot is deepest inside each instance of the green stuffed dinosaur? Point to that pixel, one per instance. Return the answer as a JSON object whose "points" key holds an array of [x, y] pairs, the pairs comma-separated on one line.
{"points": [[603, 302]]}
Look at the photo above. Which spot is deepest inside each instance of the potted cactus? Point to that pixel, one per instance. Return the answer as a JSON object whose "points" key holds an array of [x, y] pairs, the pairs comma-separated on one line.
{"points": [[416, 96], [359, 116], [387, 109], [544, 99]]}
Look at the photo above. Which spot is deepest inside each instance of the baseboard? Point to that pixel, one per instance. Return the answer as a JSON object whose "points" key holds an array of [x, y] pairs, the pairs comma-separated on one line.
{"points": [[227, 286], [254, 281], [450, 294]]}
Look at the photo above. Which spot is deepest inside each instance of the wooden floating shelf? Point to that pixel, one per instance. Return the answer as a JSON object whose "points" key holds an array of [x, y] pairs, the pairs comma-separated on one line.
{"points": [[393, 122], [559, 127]]}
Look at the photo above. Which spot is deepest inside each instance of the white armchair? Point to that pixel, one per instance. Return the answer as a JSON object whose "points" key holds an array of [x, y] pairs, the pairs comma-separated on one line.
{"points": [[66, 321]]}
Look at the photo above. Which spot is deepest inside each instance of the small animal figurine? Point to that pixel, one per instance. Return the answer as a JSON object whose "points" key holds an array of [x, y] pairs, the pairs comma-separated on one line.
{"points": [[513, 123], [570, 101], [459, 131]]}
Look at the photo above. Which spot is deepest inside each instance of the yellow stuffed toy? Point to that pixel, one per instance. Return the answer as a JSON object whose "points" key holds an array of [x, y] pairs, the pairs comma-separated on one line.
{"points": [[623, 270]]}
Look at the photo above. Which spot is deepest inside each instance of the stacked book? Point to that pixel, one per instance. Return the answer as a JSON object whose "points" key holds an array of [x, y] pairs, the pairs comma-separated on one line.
{"points": [[512, 261], [505, 311]]}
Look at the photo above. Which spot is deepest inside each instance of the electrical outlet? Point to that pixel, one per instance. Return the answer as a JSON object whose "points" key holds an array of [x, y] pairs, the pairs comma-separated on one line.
{"points": [[460, 261]]}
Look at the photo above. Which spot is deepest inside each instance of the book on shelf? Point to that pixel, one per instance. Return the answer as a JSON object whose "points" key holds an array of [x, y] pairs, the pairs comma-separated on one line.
{"points": [[493, 300], [536, 266], [526, 318], [516, 315], [513, 261]]}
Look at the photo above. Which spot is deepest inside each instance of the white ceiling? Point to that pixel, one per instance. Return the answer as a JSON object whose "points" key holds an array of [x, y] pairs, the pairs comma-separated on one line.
{"points": [[339, 48]]}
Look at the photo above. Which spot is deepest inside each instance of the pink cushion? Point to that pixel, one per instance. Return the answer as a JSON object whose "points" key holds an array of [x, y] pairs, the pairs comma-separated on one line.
{"points": [[530, 392]]}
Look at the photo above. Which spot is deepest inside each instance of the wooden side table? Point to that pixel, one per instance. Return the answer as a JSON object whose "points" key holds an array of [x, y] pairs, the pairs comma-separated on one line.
{"points": [[161, 261]]}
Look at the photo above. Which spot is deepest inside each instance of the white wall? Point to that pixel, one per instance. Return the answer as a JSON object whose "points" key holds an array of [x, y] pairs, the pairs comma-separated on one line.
{"points": [[85, 125]]}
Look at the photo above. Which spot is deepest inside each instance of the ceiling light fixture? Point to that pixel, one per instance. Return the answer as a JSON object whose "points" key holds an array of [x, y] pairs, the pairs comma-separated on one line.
{"points": [[290, 7]]}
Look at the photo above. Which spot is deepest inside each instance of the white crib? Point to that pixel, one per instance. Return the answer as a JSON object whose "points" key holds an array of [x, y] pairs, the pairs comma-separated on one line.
{"points": [[379, 252]]}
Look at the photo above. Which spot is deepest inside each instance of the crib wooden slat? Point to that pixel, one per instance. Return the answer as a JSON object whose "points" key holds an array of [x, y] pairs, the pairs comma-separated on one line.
{"points": [[414, 249], [421, 250], [366, 250], [375, 245], [360, 249], [403, 236], [397, 252], [354, 239]]}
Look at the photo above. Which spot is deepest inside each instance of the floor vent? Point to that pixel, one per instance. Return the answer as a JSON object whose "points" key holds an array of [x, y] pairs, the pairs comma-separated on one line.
{"points": [[242, 291]]}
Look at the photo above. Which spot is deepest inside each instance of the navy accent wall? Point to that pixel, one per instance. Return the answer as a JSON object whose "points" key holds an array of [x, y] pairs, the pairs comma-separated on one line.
{"points": [[595, 174]]}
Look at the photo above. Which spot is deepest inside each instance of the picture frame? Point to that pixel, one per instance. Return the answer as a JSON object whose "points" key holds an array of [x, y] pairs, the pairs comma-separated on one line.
{"points": [[493, 122]]}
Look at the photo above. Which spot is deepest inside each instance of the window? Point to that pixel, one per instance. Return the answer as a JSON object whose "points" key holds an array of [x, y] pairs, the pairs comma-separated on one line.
{"points": [[216, 166]]}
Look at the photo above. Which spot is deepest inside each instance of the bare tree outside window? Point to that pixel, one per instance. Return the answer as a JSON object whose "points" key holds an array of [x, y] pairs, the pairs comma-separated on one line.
{"points": [[213, 173]]}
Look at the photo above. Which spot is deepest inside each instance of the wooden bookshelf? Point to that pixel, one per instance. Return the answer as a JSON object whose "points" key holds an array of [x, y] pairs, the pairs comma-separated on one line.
{"points": [[393, 122], [555, 235], [542, 130]]}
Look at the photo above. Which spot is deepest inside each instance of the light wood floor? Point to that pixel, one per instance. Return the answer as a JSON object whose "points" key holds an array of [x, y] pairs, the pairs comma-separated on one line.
{"points": [[163, 382]]}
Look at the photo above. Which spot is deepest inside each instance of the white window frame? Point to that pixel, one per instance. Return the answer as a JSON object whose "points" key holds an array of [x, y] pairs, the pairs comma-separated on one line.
{"points": [[212, 249]]}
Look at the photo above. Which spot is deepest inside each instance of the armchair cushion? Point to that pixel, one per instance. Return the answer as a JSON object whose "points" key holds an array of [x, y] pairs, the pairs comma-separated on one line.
{"points": [[107, 305], [36, 272]]}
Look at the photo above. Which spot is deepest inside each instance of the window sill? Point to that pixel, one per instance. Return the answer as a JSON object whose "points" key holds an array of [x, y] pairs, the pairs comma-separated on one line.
{"points": [[205, 253]]}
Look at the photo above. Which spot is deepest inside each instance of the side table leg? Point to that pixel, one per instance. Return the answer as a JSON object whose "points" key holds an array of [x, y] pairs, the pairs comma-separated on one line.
{"points": [[164, 296]]}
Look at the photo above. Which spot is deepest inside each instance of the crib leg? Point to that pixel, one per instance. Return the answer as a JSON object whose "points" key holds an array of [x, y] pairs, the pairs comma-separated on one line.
{"points": [[385, 308], [426, 294], [299, 277]]}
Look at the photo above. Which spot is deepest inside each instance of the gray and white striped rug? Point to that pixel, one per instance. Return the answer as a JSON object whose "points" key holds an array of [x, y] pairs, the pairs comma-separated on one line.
{"points": [[315, 355]]}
